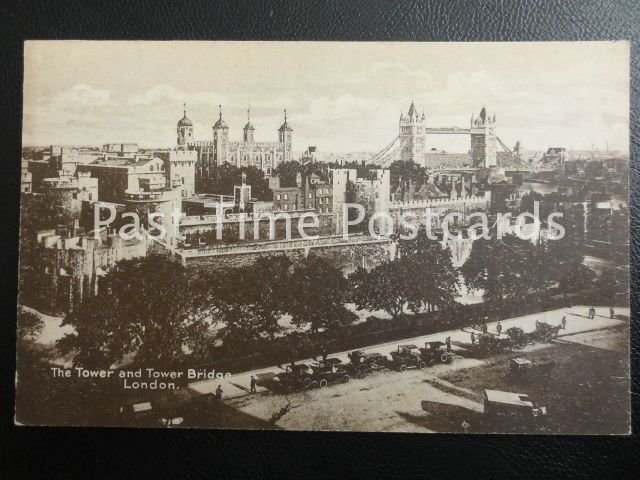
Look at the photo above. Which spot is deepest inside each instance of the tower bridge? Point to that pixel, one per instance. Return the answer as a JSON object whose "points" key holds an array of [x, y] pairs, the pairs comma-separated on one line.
{"points": [[411, 142]]}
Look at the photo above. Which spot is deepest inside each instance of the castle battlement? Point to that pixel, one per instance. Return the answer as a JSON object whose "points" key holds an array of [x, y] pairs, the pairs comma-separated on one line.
{"points": [[438, 202]]}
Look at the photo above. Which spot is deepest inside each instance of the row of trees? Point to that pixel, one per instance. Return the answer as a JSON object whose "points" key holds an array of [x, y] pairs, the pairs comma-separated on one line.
{"points": [[157, 311], [154, 309], [422, 278]]}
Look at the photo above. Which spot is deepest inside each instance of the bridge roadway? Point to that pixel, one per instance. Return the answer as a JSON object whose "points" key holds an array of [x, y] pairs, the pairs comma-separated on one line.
{"points": [[450, 130]]}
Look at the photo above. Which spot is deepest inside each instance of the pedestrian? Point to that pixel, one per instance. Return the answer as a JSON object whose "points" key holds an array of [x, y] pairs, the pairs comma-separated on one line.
{"points": [[219, 394], [448, 343], [484, 328], [473, 338], [465, 426], [564, 322], [592, 312], [253, 384], [611, 312], [499, 328]]}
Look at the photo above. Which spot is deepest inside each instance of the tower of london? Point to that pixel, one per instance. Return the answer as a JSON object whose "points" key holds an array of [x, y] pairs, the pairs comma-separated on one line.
{"points": [[265, 155]]}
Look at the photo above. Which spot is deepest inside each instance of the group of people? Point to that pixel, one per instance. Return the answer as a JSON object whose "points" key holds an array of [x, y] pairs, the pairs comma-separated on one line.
{"points": [[592, 312]]}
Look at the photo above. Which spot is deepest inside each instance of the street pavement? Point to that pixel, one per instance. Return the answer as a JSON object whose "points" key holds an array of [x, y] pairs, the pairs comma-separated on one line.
{"points": [[577, 321]]}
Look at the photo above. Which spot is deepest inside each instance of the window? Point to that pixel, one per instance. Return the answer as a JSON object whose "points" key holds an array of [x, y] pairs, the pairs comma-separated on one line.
{"points": [[310, 195], [285, 206], [286, 196], [278, 196]]}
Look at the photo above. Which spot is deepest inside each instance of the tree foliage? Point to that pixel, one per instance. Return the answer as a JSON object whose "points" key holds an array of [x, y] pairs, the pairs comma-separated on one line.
{"points": [[407, 170], [250, 301], [385, 287], [433, 280], [505, 269], [226, 176], [317, 294], [145, 310]]}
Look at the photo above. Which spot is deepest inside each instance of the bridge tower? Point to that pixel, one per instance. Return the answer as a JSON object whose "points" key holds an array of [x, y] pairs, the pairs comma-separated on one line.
{"points": [[483, 140], [412, 135]]}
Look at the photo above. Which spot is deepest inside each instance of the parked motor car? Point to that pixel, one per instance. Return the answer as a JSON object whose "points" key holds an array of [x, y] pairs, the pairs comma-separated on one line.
{"points": [[407, 356], [435, 352]]}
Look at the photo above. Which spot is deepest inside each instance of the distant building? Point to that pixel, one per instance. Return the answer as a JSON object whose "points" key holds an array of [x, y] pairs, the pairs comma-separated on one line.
{"points": [[116, 175], [68, 192], [248, 152], [72, 265], [313, 192], [26, 178], [309, 155]]}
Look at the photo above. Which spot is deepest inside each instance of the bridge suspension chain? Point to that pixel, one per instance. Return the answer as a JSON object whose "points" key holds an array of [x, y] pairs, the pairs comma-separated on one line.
{"points": [[375, 158], [514, 157]]}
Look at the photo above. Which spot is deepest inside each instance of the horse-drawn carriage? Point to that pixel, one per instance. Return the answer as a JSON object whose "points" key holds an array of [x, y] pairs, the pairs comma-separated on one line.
{"points": [[544, 332]]}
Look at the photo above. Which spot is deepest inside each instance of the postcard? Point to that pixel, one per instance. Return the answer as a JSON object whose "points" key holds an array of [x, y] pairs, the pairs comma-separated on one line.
{"points": [[325, 236]]}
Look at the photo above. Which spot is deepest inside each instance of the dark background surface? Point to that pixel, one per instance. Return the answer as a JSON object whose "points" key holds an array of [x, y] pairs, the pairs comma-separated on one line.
{"points": [[98, 453]]}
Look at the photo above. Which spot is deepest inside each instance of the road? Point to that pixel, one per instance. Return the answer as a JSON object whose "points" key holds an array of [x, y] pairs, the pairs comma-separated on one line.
{"points": [[577, 322]]}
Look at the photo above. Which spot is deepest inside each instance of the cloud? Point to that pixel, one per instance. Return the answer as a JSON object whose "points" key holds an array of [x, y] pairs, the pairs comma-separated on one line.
{"points": [[168, 94], [80, 96]]}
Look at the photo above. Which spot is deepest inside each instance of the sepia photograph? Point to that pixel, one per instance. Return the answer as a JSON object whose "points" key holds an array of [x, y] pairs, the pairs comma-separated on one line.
{"points": [[325, 236]]}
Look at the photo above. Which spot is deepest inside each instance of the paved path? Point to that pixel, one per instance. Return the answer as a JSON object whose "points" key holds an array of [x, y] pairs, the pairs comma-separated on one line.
{"points": [[577, 321]]}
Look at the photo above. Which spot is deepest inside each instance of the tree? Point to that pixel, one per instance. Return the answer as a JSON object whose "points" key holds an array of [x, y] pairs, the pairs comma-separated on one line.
{"points": [[317, 292], [562, 261], [407, 170], [252, 301], [288, 172], [227, 175], [434, 280], [36, 213], [387, 287], [505, 269], [608, 286], [146, 309]]}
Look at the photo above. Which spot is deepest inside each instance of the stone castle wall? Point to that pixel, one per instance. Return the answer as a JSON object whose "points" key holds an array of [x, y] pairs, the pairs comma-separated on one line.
{"points": [[346, 257]]}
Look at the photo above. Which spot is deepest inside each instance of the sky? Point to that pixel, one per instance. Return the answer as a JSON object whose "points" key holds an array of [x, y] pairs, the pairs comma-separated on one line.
{"points": [[339, 96]]}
